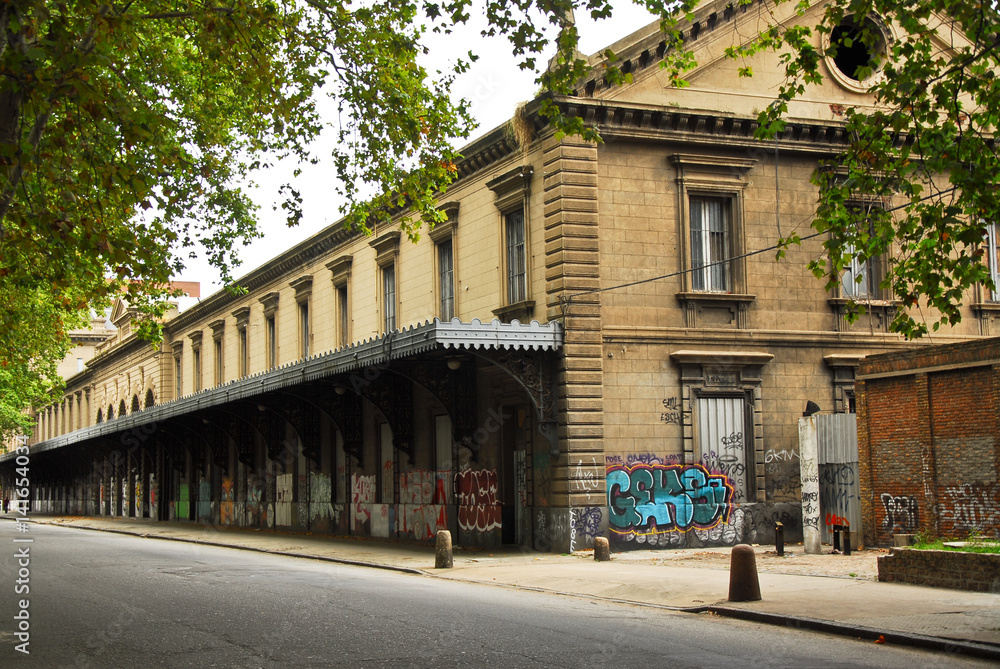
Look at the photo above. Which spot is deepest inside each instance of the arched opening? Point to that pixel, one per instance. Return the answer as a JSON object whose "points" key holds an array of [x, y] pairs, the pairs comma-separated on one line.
{"points": [[100, 416], [149, 399], [122, 409], [135, 403], [111, 412]]}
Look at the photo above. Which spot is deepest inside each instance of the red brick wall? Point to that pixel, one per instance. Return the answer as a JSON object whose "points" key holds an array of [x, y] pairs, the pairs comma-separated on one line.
{"points": [[928, 441]]}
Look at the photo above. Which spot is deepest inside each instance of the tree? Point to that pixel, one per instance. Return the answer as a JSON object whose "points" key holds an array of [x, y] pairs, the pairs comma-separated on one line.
{"points": [[128, 131], [35, 344]]}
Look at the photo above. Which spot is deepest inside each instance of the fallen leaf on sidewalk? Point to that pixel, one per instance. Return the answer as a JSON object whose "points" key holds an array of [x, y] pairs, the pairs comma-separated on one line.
{"points": [[880, 639]]}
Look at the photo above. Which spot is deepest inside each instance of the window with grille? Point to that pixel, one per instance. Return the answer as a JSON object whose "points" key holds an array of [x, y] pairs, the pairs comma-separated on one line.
{"points": [[710, 245]]}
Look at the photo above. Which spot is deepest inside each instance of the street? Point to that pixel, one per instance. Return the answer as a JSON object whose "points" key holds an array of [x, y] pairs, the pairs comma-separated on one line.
{"points": [[100, 599]]}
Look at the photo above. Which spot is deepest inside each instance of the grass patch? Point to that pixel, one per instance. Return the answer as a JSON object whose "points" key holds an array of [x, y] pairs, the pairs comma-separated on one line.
{"points": [[975, 544]]}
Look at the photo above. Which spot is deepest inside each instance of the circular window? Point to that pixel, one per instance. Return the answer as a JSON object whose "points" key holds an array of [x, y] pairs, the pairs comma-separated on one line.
{"points": [[860, 48]]}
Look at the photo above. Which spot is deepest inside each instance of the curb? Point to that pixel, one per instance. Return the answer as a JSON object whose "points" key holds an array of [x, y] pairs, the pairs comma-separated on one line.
{"points": [[219, 544], [946, 645]]}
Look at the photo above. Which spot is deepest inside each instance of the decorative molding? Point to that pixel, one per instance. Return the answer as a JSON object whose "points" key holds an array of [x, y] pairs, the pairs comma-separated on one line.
{"points": [[386, 247], [218, 328], [302, 287], [340, 269], [511, 187], [445, 230], [270, 302], [242, 316]]}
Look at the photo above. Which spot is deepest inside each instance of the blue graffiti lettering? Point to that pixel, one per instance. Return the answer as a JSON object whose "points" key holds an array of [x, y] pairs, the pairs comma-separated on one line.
{"points": [[655, 498]]}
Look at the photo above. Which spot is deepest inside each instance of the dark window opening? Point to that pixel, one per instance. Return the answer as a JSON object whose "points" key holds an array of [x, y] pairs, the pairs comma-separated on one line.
{"points": [[853, 54]]}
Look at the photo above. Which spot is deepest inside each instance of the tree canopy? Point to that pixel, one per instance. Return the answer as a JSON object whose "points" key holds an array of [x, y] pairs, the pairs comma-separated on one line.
{"points": [[129, 131]]}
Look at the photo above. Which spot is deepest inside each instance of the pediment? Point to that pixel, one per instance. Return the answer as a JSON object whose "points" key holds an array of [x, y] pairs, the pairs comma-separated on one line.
{"points": [[715, 83], [121, 313]]}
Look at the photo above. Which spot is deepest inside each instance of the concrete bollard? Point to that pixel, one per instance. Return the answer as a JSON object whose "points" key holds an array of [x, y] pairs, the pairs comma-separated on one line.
{"points": [[602, 549], [443, 558], [743, 583]]}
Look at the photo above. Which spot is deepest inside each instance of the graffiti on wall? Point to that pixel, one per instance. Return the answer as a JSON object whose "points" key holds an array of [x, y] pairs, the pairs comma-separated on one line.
{"points": [[901, 513], [654, 499], [728, 466], [478, 509], [226, 506], [585, 524], [422, 496], [671, 414], [972, 507], [283, 499], [362, 497], [255, 491]]}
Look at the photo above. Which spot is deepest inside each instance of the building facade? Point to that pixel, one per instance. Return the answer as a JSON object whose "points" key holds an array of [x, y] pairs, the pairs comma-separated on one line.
{"points": [[598, 342]]}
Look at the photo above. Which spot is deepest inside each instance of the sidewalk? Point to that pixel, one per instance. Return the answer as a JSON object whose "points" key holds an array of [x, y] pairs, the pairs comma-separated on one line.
{"points": [[831, 593]]}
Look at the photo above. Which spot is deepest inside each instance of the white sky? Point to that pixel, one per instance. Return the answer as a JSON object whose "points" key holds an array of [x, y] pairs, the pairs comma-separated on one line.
{"points": [[494, 86]]}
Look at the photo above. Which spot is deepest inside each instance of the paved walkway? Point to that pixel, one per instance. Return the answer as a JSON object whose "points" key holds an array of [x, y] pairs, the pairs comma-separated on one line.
{"points": [[833, 593]]}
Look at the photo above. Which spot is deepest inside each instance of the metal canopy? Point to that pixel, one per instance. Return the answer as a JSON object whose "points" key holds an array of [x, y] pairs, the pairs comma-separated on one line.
{"points": [[404, 343]]}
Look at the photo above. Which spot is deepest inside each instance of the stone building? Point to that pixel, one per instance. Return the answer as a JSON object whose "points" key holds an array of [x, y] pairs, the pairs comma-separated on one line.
{"points": [[598, 341]]}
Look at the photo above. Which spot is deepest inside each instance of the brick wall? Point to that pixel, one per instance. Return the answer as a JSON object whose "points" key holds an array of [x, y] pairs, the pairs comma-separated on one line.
{"points": [[928, 441], [979, 572]]}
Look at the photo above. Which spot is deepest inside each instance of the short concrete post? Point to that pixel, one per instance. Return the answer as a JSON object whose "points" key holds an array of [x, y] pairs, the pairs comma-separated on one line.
{"points": [[743, 583], [602, 550], [443, 558]]}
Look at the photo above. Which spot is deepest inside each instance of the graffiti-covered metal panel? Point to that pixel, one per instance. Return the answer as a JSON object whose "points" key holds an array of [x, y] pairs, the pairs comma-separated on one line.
{"points": [[722, 442], [839, 486]]}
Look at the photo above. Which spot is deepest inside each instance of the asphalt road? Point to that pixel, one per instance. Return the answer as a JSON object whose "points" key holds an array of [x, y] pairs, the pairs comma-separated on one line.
{"points": [[106, 600]]}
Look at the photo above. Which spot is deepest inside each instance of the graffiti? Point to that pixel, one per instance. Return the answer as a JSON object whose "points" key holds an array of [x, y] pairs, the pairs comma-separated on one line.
{"points": [[226, 506], [585, 479], [477, 500], [283, 500], [417, 486], [154, 506], [753, 523], [320, 506], [900, 512], [729, 467], [422, 522], [633, 459], [653, 499], [839, 474], [773, 455], [362, 496], [585, 524], [254, 493], [671, 414], [383, 517], [972, 506]]}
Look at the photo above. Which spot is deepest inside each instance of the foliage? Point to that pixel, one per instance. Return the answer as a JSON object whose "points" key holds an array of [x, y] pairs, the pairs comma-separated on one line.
{"points": [[128, 131], [30, 355], [917, 185], [974, 543]]}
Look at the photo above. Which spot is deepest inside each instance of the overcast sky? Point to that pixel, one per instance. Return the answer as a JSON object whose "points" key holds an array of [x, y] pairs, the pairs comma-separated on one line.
{"points": [[493, 86]]}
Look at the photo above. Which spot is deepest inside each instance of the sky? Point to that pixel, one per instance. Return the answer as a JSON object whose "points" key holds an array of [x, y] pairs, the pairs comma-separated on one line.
{"points": [[493, 86]]}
